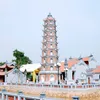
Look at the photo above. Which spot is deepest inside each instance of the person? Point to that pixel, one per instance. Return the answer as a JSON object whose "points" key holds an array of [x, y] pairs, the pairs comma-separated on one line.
{"points": [[65, 82], [76, 81], [28, 80]]}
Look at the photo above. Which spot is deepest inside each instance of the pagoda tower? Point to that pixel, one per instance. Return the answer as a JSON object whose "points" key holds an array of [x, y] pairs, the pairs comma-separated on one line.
{"points": [[49, 72]]}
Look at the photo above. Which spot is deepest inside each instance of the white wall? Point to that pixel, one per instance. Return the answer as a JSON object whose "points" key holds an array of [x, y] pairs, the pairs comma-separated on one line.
{"points": [[96, 76], [92, 64], [15, 78], [80, 69], [80, 72], [69, 74]]}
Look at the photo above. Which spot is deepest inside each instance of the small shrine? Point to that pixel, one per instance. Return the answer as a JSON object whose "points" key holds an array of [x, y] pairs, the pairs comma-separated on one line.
{"points": [[3, 71]]}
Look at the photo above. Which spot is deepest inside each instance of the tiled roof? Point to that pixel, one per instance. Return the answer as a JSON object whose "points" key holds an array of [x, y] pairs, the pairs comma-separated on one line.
{"points": [[96, 70], [6, 66], [85, 59], [71, 62]]}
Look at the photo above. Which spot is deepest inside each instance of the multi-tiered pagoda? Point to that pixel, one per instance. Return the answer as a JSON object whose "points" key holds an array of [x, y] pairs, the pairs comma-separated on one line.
{"points": [[49, 72]]}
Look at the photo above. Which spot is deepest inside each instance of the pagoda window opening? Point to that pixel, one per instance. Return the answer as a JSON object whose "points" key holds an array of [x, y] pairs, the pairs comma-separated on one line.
{"points": [[45, 23], [44, 60], [51, 22], [52, 78], [51, 53], [51, 45], [45, 40], [51, 60], [44, 53], [50, 39], [50, 33], [45, 28], [51, 68], [44, 46]]}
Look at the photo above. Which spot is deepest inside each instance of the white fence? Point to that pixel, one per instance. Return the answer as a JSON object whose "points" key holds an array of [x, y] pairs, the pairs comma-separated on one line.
{"points": [[84, 86], [16, 96]]}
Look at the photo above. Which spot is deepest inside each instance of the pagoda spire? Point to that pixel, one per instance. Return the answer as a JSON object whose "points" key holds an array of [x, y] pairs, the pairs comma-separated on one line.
{"points": [[49, 51], [49, 15]]}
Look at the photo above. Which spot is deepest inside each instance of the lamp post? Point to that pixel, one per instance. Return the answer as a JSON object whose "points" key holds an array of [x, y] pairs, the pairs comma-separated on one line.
{"points": [[58, 66], [6, 71], [65, 65], [5, 75], [25, 73]]}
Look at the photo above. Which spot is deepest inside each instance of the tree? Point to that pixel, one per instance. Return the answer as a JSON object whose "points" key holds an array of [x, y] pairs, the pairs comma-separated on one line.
{"points": [[20, 58], [2, 63]]}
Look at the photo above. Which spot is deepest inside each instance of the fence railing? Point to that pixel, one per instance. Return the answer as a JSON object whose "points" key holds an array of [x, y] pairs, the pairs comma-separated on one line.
{"points": [[74, 86], [15, 96], [4, 95]]}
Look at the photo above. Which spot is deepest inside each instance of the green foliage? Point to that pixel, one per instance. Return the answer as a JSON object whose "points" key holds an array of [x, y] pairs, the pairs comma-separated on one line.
{"points": [[29, 76], [2, 63], [20, 58]]}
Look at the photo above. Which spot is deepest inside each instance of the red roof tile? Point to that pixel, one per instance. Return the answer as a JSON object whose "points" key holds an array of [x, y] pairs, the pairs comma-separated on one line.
{"points": [[6, 66], [96, 70], [72, 62], [85, 59]]}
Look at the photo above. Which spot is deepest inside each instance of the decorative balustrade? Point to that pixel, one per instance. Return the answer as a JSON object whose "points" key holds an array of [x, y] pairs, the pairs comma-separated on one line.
{"points": [[16, 96], [74, 86], [4, 95]]}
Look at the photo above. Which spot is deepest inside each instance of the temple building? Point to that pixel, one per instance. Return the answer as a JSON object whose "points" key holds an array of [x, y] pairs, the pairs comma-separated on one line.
{"points": [[3, 72], [78, 70], [49, 72], [10, 74]]}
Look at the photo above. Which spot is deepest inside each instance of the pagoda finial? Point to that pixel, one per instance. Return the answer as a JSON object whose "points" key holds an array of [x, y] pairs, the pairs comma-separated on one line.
{"points": [[80, 58], [6, 62], [49, 15], [65, 63], [91, 55], [70, 57]]}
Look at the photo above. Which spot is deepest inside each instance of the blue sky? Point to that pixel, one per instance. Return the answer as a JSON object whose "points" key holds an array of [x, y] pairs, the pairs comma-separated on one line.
{"points": [[78, 27]]}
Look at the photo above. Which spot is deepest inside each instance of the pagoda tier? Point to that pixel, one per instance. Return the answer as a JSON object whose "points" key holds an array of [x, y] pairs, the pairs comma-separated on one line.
{"points": [[49, 49]]}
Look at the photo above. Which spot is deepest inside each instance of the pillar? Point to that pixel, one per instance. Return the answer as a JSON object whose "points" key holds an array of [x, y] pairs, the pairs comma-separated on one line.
{"points": [[14, 97], [42, 96], [75, 98], [2, 96], [6, 97], [3, 91], [20, 93]]}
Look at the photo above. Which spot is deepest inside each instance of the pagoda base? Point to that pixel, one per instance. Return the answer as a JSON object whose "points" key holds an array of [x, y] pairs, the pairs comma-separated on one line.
{"points": [[48, 77]]}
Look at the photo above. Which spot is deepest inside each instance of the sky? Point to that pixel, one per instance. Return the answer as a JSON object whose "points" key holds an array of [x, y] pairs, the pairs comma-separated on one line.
{"points": [[78, 27]]}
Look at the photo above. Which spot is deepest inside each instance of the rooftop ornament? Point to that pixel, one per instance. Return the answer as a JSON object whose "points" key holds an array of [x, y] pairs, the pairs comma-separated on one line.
{"points": [[65, 65], [80, 58], [91, 55], [65, 62], [58, 66], [49, 15], [25, 72], [42, 96]]}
